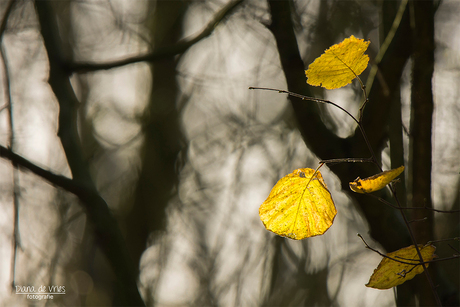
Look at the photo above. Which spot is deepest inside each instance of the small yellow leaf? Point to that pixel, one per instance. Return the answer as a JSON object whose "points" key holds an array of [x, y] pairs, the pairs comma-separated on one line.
{"points": [[376, 182], [299, 206], [391, 273], [339, 64]]}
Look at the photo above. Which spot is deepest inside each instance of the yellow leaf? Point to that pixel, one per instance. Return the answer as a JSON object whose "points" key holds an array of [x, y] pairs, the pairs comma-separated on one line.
{"points": [[299, 206], [391, 273], [339, 64], [376, 182]]}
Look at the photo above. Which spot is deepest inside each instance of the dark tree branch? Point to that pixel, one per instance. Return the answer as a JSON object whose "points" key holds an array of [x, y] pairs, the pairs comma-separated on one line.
{"points": [[324, 143], [307, 113], [57, 180], [106, 230], [161, 52]]}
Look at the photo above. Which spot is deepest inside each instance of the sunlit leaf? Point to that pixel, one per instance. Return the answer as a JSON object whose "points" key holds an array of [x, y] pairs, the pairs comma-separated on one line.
{"points": [[376, 182], [391, 273], [299, 206], [339, 64]]}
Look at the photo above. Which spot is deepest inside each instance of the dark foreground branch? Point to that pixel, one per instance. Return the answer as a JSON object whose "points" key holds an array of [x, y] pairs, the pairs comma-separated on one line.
{"points": [[54, 179], [105, 226]]}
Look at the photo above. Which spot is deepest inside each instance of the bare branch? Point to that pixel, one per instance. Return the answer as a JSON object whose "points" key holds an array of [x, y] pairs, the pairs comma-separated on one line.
{"points": [[60, 181], [160, 53]]}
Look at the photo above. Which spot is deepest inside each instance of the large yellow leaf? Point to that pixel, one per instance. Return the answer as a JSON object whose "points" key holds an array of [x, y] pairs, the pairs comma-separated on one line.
{"points": [[299, 206], [376, 182], [339, 65], [391, 273]]}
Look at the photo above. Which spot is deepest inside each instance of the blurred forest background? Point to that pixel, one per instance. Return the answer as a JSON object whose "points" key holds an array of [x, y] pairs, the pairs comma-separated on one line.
{"points": [[134, 157]]}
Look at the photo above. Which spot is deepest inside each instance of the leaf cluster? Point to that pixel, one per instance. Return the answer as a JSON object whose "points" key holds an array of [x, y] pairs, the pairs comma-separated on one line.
{"points": [[300, 205]]}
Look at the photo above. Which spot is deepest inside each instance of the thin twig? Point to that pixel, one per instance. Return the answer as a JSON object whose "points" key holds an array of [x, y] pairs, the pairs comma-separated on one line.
{"points": [[304, 98], [348, 160], [386, 43], [385, 202], [416, 261], [419, 220], [363, 133], [458, 252], [443, 240]]}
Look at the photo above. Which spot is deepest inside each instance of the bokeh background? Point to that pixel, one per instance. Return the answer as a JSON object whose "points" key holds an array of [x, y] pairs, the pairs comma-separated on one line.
{"points": [[154, 156]]}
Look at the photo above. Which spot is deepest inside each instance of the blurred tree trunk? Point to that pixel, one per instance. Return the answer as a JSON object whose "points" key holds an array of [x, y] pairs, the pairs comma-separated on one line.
{"points": [[420, 129], [389, 12], [158, 176]]}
